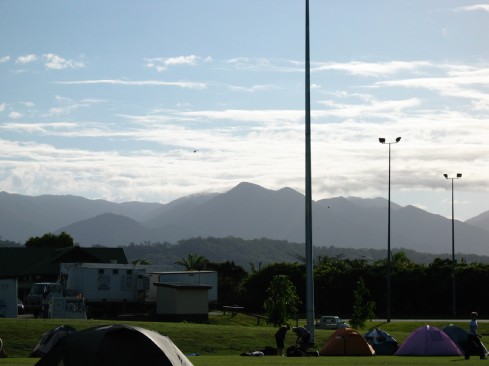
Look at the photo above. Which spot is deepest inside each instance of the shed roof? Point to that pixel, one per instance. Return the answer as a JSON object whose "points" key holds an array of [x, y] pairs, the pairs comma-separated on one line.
{"points": [[178, 285]]}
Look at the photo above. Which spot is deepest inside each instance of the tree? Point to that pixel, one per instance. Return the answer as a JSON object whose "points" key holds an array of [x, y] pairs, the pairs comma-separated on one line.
{"points": [[256, 284], [282, 301], [193, 262], [50, 240], [230, 279], [363, 308]]}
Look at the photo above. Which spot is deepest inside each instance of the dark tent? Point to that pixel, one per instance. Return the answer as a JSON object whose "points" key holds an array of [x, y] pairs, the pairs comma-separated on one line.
{"points": [[115, 345], [459, 337], [381, 341], [49, 339]]}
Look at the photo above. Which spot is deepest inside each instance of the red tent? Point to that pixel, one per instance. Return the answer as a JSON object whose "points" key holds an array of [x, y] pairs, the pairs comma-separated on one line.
{"points": [[346, 342]]}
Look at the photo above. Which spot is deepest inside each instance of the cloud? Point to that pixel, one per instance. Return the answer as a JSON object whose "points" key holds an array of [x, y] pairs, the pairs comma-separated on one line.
{"points": [[56, 62], [51, 61], [68, 105], [181, 84], [26, 59], [475, 7], [2, 107], [182, 60], [44, 128], [264, 64], [4, 59], [376, 69], [253, 89], [161, 64], [459, 82], [15, 115]]}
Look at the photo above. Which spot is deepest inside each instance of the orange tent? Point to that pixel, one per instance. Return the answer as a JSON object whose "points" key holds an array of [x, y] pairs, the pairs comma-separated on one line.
{"points": [[346, 342]]}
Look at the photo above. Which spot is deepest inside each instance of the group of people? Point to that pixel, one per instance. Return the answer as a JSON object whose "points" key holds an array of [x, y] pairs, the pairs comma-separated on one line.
{"points": [[302, 341]]}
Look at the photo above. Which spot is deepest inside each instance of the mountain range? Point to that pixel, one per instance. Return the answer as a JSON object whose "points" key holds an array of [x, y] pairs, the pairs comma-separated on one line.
{"points": [[247, 211]]}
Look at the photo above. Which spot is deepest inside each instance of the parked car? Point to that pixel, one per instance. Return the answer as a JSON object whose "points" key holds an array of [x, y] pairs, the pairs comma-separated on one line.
{"points": [[39, 296], [329, 322]]}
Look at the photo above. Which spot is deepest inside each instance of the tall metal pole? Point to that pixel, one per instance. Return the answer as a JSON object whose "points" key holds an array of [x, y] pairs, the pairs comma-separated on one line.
{"points": [[309, 269], [454, 294], [388, 269], [388, 309], [454, 298]]}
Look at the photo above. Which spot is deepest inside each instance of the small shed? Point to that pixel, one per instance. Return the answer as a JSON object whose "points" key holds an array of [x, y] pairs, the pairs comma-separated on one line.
{"points": [[182, 301]]}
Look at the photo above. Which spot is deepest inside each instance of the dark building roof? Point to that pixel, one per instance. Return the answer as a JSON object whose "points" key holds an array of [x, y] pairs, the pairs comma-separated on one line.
{"points": [[21, 261]]}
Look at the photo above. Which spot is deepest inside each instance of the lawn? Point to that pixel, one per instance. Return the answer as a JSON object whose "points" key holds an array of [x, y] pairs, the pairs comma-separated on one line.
{"points": [[221, 341], [305, 361]]}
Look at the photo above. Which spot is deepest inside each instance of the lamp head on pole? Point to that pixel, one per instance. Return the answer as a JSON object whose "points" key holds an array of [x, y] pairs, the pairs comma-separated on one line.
{"points": [[445, 175], [459, 175], [382, 141]]}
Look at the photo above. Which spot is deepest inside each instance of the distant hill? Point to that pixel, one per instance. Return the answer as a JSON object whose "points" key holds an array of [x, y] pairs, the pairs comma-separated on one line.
{"points": [[481, 221], [22, 217], [261, 252], [109, 230], [247, 211]]}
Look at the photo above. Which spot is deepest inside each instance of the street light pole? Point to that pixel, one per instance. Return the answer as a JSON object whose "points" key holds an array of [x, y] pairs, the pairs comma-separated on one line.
{"points": [[454, 308], [308, 224], [388, 302]]}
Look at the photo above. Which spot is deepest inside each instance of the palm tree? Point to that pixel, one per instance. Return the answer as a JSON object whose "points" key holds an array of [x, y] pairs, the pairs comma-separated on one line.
{"points": [[193, 262]]}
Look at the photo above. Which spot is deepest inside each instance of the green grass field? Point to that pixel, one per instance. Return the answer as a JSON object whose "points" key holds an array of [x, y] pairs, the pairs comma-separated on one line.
{"points": [[221, 341]]}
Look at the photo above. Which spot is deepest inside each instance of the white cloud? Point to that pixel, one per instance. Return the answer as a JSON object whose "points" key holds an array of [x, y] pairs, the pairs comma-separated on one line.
{"points": [[4, 59], [378, 109], [56, 62], [44, 128], [264, 64], [253, 89], [181, 84], [372, 68], [26, 59], [15, 115], [161, 64], [475, 7], [182, 60], [460, 82], [67, 105], [2, 107]]}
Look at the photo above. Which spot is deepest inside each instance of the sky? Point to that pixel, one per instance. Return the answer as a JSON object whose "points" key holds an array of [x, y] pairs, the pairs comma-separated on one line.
{"points": [[155, 100]]}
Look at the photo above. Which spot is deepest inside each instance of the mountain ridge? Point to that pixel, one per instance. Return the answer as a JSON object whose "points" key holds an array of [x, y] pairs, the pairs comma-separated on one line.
{"points": [[247, 211]]}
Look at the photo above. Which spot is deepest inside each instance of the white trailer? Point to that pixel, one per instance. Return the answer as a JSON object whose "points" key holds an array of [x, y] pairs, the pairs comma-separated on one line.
{"points": [[107, 288]]}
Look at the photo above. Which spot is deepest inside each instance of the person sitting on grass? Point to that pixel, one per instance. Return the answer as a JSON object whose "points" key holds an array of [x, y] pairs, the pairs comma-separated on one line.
{"points": [[303, 338]]}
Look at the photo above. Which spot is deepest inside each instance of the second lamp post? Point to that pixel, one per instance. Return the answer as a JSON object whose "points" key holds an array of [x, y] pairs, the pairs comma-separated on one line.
{"points": [[454, 308], [388, 303]]}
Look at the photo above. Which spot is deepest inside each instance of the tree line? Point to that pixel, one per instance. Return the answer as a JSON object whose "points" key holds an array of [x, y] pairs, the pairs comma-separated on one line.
{"points": [[417, 290]]}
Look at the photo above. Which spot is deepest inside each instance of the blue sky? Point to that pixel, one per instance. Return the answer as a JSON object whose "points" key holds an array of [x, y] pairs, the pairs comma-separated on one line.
{"points": [[155, 100]]}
